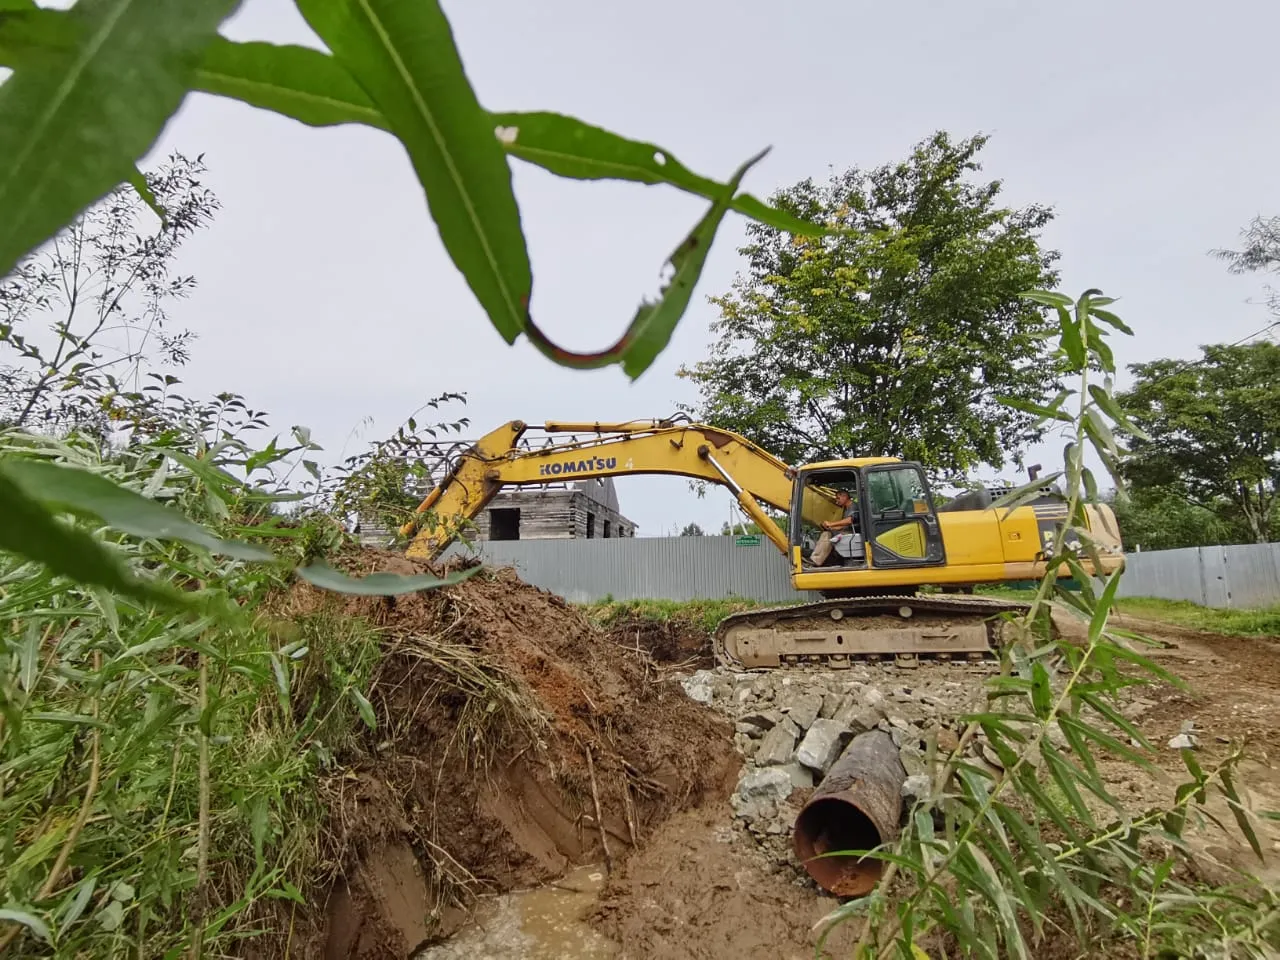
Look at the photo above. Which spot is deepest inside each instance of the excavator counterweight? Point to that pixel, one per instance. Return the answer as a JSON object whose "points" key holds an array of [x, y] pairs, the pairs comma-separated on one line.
{"points": [[865, 534]]}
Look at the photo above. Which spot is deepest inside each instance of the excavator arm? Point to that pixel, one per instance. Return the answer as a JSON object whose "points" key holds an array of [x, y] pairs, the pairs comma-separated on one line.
{"points": [[501, 459]]}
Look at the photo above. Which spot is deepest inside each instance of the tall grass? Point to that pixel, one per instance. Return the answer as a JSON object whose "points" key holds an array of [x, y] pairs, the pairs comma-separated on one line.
{"points": [[700, 614], [158, 772], [1258, 622], [1024, 847]]}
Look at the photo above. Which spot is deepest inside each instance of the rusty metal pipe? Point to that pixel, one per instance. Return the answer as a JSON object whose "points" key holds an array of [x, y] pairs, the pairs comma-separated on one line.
{"points": [[856, 807]]}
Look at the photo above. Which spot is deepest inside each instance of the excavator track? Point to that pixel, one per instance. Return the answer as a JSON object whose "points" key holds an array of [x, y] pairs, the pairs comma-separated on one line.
{"points": [[835, 633]]}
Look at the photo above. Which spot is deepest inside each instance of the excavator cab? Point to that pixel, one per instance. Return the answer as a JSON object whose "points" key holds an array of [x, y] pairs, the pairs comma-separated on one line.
{"points": [[848, 548], [896, 521]]}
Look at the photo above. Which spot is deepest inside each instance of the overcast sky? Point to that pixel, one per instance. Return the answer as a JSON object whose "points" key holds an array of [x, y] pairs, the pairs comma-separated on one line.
{"points": [[326, 297]]}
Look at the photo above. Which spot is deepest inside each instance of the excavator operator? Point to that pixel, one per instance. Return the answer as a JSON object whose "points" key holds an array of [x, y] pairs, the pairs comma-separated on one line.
{"points": [[849, 520]]}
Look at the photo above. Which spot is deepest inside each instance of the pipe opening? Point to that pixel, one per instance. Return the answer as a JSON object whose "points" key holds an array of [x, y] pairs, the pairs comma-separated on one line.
{"points": [[830, 824]]}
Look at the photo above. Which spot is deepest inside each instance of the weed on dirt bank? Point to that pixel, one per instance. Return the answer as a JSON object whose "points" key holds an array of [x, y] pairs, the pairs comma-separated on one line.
{"points": [[158, 766]]}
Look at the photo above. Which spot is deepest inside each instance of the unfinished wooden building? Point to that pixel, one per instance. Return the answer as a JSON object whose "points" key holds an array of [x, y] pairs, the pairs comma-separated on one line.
{"points": [[587, 509], [584, 510]]}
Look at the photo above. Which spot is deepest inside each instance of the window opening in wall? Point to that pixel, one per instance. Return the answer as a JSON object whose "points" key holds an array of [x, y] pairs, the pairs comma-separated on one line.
{"points": [[504, 523], [605, 532], [591, 524]]}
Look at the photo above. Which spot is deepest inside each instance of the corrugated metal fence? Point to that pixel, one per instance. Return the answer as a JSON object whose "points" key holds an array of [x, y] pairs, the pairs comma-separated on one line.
{"points": [[663, 568], [1247, 575], [703, 568]]}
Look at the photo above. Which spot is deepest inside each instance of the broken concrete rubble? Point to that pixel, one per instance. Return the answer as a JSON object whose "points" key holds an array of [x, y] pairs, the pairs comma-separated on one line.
{"points": [[762, 720], [794, 723], [858, 718], [699, 686], [831, 704], [769, 783], [822, 744], [801, 706], [759, 792], [779, 744], [916, 786], [801, 776]]}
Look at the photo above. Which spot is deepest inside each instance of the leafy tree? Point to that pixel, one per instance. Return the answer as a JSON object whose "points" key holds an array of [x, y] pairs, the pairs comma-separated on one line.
{"points": [[746, 525], [692, 530], [1260, 252], [1213, 431], [1155, 519], [385, 483], [85, 318], [896, 337]]}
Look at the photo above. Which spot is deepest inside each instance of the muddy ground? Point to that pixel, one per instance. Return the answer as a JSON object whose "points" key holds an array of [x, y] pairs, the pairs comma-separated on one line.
{"points": [[700, 889], [506, 720]]}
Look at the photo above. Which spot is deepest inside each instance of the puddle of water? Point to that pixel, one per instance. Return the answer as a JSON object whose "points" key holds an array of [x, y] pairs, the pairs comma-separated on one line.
{"points": [[545, 923]]}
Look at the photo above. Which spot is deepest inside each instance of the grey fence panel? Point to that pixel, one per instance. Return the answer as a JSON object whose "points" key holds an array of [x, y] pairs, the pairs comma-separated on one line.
{"points": [[662, 568], [1213, 574], [707, 568], [1253, 574], [1169, 574], [1240, 576]]}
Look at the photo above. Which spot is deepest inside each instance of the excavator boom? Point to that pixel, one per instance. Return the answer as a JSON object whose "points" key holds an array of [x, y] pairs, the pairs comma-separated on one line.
{"points": [[635, 447]]}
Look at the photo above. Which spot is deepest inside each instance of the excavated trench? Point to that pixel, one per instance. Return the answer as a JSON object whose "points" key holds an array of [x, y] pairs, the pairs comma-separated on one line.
{"points": [[537, 783]]}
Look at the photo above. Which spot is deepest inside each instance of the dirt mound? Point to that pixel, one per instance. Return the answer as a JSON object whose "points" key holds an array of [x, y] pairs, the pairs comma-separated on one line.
{"points": [[505, 721]]}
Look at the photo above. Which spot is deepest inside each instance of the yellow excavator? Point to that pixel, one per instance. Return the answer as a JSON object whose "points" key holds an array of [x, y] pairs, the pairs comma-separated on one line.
{"points": [[895, 540]]}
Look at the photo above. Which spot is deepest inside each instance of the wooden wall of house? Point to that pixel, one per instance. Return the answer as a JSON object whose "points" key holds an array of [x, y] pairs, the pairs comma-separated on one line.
{"points": [[553, 515]]}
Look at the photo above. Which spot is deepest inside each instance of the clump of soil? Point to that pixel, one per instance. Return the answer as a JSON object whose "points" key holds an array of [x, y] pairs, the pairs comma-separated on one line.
{"points": [[505, 720], [670, 641]]}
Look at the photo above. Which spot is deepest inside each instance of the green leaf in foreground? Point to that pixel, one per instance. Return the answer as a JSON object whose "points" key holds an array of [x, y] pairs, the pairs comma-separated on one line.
{"points": [[30, 531], [302, 83], [312, 87], [320, 574], [571, 148], [82, 492], [403, 54], [72, 125], [365, 708], [651, 329]]}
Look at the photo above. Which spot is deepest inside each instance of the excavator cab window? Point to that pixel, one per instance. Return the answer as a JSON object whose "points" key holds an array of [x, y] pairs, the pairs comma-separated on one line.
{"points": [[815, 501]]}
